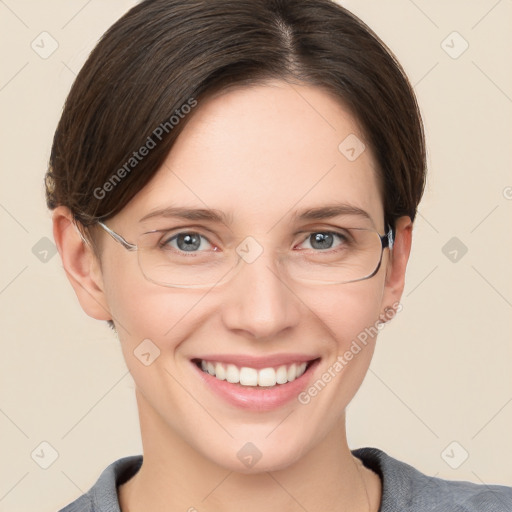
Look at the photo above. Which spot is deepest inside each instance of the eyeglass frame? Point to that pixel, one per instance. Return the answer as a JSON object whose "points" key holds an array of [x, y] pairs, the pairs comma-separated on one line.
{"points": [[387, 241]]}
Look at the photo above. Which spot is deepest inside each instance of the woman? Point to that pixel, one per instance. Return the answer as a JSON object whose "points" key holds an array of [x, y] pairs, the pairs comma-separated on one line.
{"points": [[233, 187]]}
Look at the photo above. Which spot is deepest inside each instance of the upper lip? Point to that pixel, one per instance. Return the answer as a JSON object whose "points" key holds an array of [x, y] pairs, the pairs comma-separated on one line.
{"points": [[257, 362]]}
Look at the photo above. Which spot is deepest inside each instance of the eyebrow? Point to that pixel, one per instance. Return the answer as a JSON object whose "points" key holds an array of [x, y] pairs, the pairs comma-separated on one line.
{"points": [[206, 214], [190, 214], [331, 210]]}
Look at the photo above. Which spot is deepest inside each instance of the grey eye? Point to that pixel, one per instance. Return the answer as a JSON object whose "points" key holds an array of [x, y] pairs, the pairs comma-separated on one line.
{"points": [[321, 240], [185, 241]]}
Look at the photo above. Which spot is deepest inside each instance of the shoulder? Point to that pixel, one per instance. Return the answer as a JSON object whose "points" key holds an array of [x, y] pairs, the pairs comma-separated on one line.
{"points": [[406, 488], [102, 496]]}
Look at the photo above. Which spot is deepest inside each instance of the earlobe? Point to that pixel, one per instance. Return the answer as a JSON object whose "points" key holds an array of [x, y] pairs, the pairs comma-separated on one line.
{"points": [[80, 264]]}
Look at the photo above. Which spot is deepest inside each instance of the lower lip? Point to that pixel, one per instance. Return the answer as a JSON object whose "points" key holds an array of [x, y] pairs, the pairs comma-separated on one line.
{"points": [[258, 398]]}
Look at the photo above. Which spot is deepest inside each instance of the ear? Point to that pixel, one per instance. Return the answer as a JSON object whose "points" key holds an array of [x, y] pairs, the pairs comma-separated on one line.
{"points": [[397, 264], [81, 264]]}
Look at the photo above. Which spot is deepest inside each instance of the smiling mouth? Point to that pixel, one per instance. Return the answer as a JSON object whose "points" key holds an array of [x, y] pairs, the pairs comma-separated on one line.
{"points": [[247, 376]]}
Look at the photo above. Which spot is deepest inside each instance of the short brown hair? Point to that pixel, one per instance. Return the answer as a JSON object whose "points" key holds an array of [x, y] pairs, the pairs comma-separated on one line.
{"points": [[163, 53]]}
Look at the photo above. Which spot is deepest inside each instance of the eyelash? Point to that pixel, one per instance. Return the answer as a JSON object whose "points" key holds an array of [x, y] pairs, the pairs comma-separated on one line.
{"points": [[163, 242]]}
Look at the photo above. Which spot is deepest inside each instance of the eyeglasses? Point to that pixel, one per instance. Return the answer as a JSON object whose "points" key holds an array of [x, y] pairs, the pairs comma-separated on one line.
{"points": [[177, 258]]}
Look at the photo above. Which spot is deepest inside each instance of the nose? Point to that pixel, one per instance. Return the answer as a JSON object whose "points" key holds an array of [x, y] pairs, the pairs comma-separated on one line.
{"points": [[259, 301]]}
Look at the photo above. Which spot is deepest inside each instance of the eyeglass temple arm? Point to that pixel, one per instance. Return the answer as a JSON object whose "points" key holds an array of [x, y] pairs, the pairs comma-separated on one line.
{"points": [[388, 239], [118, 238]]}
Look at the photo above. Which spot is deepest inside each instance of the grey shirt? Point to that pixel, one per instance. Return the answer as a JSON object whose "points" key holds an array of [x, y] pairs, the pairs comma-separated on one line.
{"points": [[403, 488]]}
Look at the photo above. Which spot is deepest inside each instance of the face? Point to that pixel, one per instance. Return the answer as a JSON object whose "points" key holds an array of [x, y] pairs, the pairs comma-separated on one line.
{"points": [[261, 156]]}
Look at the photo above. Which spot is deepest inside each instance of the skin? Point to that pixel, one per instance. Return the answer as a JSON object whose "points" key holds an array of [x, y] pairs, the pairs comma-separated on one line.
{"points": [[258, 153]]}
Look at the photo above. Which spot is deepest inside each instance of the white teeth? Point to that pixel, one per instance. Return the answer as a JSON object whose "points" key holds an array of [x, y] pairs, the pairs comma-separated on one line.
{"points": [[292, 372], [245, 376], [248, 376], [282, 375], [232, 374], [267, 377], [210, 368], [220, 372]]}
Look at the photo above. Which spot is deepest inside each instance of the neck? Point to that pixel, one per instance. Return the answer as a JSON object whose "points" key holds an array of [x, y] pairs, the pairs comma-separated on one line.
{"points": [[175, 476]]}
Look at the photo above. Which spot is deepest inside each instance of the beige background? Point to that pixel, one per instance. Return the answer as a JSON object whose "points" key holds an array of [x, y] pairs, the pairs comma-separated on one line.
{"points": [[441, 372]]}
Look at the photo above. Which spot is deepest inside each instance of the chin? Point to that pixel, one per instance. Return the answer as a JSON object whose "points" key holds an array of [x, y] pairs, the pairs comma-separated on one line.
{"points": [[253, 457]]}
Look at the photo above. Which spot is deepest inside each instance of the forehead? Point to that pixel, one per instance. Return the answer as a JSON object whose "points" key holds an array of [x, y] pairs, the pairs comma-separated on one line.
{"points": [[263, 152]]}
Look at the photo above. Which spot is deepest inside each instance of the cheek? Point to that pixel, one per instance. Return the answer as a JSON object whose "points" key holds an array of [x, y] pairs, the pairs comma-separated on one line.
{"points": [[142, 310], [348, 314], [153, 322], [346, 310]]}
